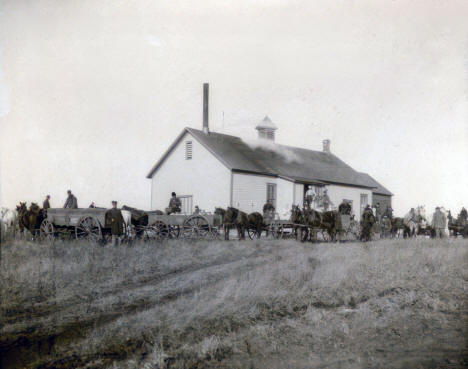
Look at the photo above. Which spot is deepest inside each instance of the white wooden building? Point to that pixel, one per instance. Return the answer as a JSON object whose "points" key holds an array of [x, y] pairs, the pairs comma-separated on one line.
{"points": [[211, 170]]}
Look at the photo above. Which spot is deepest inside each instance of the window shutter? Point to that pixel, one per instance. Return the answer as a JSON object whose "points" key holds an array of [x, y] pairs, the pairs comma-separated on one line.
{"points": [[188, 150]]}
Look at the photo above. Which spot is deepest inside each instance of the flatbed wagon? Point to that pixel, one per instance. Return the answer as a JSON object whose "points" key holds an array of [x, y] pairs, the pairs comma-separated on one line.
{"points": [[86, 224], [194, 226]]}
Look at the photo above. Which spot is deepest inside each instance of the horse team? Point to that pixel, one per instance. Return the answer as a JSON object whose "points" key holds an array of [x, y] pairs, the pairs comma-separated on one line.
{"points": [[304, 223]]}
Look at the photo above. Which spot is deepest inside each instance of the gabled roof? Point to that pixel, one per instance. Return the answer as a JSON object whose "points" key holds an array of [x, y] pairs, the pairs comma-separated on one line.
{"points": [[378, 188], [269, 158]]}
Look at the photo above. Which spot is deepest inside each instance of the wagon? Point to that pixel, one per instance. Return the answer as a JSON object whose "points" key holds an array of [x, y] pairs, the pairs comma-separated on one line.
{"points": [[83, 224], [195, 226], [457, 227]]}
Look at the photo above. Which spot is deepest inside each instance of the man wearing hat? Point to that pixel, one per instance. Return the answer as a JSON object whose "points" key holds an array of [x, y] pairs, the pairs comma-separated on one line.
{"points": [[72, 202], [46, 203], [367, 221], [115, 221], [439, 221], [174, 205]]}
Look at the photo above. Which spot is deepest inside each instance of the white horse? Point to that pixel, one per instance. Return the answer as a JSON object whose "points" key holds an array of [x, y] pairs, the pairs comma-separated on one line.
{"points": [[8, 220]]}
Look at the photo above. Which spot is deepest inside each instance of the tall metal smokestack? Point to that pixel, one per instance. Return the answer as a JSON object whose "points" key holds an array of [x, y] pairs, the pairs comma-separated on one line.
{"points": [[326, 146], [206, 87]]}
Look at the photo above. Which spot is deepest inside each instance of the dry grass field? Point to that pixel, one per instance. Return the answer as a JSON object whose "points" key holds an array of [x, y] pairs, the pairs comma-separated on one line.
{"points": [[254, 304]]}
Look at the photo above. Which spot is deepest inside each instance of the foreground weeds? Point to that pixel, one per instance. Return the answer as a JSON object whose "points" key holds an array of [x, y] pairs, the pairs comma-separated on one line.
{"points": [[258, 304]]}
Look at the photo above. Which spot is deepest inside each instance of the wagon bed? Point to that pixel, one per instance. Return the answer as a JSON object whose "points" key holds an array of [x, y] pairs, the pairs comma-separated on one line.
{"points": [[162, 226]]}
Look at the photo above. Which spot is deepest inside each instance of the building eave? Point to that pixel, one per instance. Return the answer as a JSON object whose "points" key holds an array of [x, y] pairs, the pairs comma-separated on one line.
{"points": [[179, 138], [166, 154]]}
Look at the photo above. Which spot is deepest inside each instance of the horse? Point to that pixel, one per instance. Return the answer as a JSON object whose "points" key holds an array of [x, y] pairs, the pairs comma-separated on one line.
{"points": [[255, 222], [23, 221], [31, 218], [397, 225], [8, 221], [303, 220], [138, 218], [233, 217], [329, 223]]}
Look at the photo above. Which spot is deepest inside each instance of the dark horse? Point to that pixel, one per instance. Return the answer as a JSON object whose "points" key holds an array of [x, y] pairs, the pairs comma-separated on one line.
{"points": [[303, 220], [139, 219], [31, 218], [397, 224], [255, 224], [329, 223], [233, 217]]}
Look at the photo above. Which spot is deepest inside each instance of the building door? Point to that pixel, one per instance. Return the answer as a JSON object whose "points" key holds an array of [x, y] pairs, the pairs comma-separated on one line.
{"points": [[271, 194], [364, 202], [186, 202]]}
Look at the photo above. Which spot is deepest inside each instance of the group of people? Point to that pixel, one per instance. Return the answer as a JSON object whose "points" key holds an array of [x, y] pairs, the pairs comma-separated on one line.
{"points": [[317, 200], [70, 203], [114, 218]]}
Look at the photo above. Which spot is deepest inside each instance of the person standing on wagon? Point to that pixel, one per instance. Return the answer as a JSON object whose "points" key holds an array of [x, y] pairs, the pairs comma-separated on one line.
{"points": [[72, 202], [46, 203]]}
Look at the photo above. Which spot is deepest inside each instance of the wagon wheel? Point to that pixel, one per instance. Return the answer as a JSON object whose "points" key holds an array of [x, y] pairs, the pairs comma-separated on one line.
{"points": [[325, 235], [196, 226], [157, 231], [214, 234], [252, 232], [276, 230], [47, 231], [88, 228], [174, 231]]}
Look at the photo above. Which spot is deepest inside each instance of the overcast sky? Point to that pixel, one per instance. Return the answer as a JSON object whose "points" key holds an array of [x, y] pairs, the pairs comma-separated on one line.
{"points": [[93, 92]]}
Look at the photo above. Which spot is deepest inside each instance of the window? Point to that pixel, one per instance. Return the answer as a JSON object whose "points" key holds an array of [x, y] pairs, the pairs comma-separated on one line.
{"points": [[364, 202], [186, 202], [188, 150], [271, 194]]}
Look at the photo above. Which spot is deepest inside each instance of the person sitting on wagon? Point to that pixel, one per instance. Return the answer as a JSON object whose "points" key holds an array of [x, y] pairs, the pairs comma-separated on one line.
{"points": [[46, 203], [115, 221], [72, 202], [92, 206], [174, 205]]}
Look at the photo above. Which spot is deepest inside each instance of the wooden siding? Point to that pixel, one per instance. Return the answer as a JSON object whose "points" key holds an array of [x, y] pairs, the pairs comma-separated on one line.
{"points": [[203, 176]]}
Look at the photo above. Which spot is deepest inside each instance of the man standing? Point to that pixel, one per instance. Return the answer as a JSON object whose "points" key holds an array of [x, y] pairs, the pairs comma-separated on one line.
{"points": [[389, 213], [174, 205], [439, 221], [309, 197], [378, 212], [72, 202], [326, 200], [46, 204], [367, 221], [115, 221], [463, 214]]}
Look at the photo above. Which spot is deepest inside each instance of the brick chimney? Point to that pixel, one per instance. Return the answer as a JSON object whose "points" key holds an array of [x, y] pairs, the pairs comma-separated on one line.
{"points": [[206, 129], [326, 146]]}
